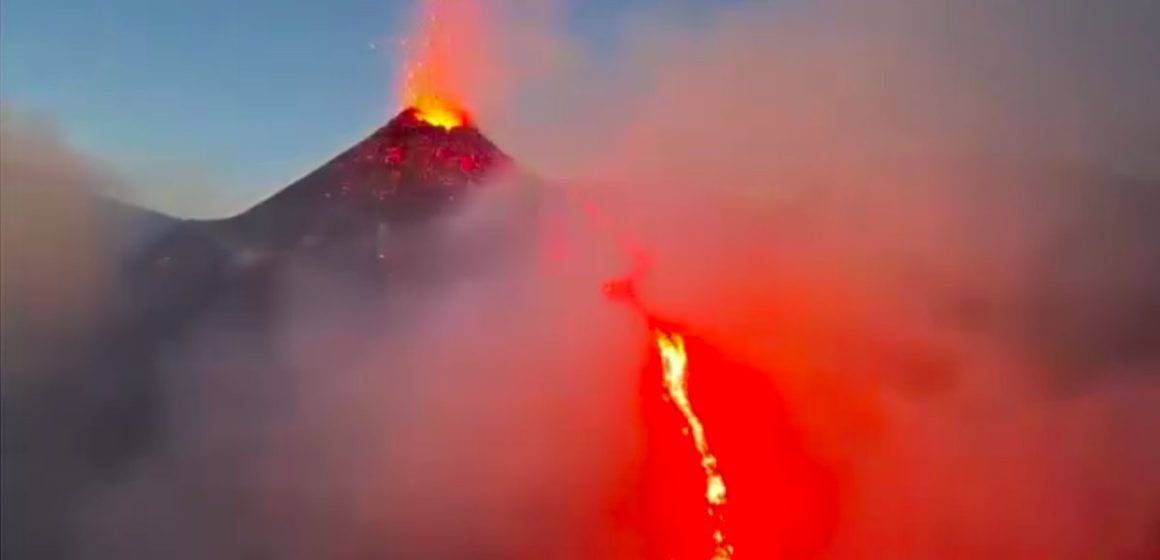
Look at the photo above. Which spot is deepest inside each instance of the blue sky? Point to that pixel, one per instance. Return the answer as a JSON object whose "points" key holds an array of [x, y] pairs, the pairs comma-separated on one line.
{"points": [[219, 101]]}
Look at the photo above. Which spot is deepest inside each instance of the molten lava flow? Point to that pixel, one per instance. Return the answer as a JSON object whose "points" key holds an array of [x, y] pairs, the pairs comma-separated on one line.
{"points": [[675, 364], [782, 501]]}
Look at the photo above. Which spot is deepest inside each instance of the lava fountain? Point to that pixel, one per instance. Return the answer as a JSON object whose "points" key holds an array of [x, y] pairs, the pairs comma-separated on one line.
{"points": [[443, 58]]}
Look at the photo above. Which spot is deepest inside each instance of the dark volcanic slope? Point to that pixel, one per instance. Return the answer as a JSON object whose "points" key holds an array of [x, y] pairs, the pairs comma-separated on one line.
{"points": [[400, 174], [351, 211]]}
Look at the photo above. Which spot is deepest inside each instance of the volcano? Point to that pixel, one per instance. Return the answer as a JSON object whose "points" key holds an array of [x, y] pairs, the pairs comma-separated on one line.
{"points": [[369, 202], [367, 217], [405, 167], [404, 173]]}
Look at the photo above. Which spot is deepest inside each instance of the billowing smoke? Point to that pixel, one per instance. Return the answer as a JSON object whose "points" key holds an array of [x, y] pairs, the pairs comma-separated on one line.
{"points": [[473, 411], [450, 417], [53, 239], [61, 235], [935, 227]]}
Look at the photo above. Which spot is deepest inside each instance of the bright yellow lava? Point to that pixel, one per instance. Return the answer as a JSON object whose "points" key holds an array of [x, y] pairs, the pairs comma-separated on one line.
{"points": [[436, 112], [676, 369]]}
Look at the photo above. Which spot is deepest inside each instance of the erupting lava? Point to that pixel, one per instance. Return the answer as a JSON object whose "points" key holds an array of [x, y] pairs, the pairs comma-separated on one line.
{"points": [[441, 60], [435, 111], [675, 363]]}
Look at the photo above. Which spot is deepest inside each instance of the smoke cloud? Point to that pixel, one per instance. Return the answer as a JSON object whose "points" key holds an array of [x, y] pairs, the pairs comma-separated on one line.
{"points": [[58, 244], [55, 244], [934, 227]]}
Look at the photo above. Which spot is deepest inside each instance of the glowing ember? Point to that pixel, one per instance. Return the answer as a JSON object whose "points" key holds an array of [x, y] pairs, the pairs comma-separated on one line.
{"points": [[675, 363]]}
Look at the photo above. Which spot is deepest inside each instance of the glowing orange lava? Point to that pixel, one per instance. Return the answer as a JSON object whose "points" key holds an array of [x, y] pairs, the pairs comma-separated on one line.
{"points": [[441, 59], [437, 112], [675, 363]]}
